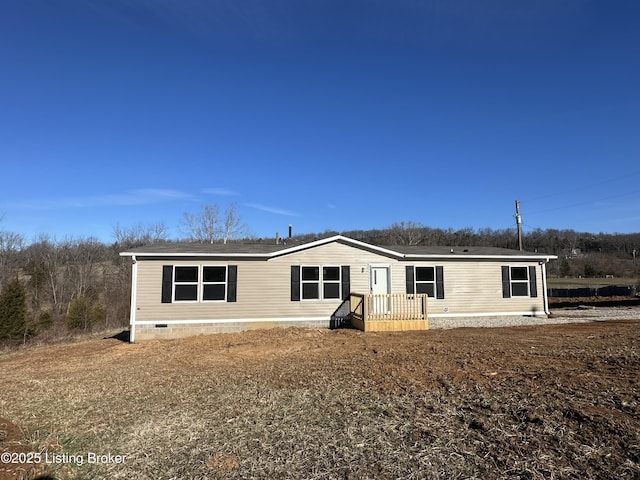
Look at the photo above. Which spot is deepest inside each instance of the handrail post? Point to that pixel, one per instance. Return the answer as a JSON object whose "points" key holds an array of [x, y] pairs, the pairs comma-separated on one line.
{"points": [[365, 307], [424, 307]]}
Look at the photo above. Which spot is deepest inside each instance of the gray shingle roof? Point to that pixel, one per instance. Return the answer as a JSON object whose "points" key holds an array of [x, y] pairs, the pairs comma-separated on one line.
{"points": [[410, 250], [209, 248], [265, 250]]}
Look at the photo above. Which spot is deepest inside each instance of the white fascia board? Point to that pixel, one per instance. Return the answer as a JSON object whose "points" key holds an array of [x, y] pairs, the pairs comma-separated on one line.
{"points": [[480, 257], [198, 254], [335, 238]]}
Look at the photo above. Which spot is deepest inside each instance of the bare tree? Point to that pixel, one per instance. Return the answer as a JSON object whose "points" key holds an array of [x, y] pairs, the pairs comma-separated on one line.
{"points": [[204, 226], [232, 224], [49, 258], [407, 233], [10, 244], [208, 226], [139, 234], [82, 262]]}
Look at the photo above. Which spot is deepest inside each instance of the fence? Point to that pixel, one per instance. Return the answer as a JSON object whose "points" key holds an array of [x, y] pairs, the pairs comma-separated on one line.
{"points": [[608, 291]]}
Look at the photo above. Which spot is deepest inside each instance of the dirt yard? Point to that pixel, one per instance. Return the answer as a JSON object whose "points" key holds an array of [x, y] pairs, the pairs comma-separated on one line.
{"points": [[534, 402]]}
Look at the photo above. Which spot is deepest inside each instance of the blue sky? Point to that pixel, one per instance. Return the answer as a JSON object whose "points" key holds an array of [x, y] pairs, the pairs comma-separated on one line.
{"points": [[324, 114]]}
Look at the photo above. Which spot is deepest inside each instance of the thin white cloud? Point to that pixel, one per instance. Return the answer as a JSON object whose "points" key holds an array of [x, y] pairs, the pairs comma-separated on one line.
{"points": [[265, 208], [133, 197], [219, 191], [626, 220], [139, 197]]}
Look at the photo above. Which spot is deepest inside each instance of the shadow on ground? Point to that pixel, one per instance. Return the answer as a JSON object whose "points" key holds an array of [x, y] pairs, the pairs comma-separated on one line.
{"points": [[123, 336]]}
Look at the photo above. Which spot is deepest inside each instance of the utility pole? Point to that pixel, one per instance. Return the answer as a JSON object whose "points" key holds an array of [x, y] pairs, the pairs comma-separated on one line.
{"points": [[519, 224]]}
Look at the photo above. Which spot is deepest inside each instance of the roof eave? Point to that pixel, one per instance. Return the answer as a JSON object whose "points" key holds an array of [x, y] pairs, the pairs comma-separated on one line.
{"points": [[194, 254], [434, 256]]}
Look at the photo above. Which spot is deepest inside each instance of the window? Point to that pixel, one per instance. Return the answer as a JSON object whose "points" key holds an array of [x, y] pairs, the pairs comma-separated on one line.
{"points": [[214, 283], [313, 283], [331, 282], [199, 283], [310, 283], [319, 283], [426, 280], [519, 282], [429, 280], [185, 284]]}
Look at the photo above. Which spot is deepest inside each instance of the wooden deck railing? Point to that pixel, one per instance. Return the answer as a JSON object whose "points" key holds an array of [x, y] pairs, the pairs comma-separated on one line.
{"points": [[394, 307]]}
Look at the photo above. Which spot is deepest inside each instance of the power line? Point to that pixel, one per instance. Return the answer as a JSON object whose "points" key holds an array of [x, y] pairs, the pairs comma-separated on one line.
{"points": [[585, 202], [582, 187]]}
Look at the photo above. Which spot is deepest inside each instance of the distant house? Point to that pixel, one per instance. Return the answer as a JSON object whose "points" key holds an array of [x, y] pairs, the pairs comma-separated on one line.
{"points": [[188, 289], [571, 253]]}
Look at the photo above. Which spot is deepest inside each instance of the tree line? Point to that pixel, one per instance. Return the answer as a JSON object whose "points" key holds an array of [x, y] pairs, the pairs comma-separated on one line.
{"points": [[51, 288], [579, 253]]}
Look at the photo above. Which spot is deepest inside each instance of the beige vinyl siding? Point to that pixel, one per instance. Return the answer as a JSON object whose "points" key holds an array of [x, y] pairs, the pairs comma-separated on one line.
{"points": [[339, 254], [264, 286], [475, 287]]}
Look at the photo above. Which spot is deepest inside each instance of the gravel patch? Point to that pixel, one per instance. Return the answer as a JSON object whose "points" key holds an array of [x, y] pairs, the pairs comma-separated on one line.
{"points": [[559, 315]]}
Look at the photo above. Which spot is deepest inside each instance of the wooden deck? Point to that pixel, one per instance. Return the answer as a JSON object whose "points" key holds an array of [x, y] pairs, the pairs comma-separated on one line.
{"points": [[393, 312]]}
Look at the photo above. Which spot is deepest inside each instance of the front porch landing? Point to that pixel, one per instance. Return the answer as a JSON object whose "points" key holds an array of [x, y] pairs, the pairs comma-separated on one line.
{"points": [[395, 312]]}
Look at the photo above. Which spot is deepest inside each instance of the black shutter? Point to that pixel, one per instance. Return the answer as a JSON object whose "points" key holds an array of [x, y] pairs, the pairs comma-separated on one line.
{"points": [[439, 282], [506, 282], [346, 282], [295, 283], [410, 284], [232, 282], [167, 283], [533, 282]]}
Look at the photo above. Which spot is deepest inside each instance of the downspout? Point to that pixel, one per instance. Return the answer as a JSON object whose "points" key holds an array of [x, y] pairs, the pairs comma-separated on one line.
{"points": [[132, 315], [544, 286]]}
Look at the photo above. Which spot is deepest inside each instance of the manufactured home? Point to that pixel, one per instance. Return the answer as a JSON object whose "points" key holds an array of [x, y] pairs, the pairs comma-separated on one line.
{"points": [[188, 289]]}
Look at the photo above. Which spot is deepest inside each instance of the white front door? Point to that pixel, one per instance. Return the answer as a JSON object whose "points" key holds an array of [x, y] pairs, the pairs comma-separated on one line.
{"points": [[380, 280], [379, 284]]}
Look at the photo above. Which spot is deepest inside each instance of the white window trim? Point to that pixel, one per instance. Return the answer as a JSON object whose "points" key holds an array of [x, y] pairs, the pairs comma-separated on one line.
{"points": [[339, 281], [432, 282], [225, 283], [200, 283], [174, 284], [304, 282], [512, 281], [321, 283]]}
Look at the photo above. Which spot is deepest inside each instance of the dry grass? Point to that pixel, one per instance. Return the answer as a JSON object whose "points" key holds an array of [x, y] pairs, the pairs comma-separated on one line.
{"points": [[527, 403]]}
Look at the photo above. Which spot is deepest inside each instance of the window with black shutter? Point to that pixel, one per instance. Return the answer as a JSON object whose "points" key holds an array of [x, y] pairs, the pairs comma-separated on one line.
{"points": [[185, 284], [519, 281], [429, 280], [199, 283], [315, 282]]}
